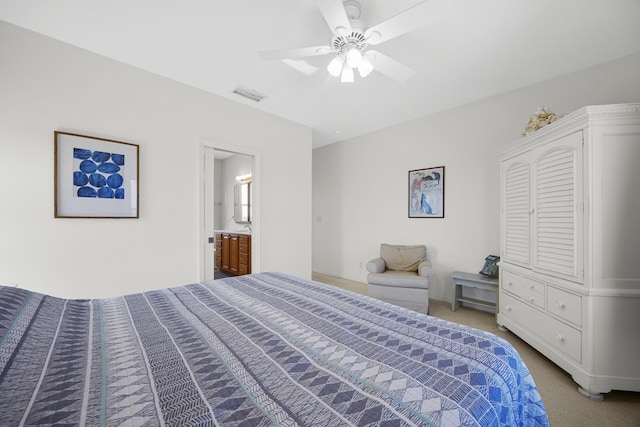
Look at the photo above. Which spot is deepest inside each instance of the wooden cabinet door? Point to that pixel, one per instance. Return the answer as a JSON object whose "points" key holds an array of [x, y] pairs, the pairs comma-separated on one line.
{"points": [[233, 253], [218, 251], [225, 252], [244, 258]]}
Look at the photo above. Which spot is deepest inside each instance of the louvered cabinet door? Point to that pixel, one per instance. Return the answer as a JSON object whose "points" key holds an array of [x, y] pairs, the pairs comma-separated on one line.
{"points": [[516, 222], [558, 207]]}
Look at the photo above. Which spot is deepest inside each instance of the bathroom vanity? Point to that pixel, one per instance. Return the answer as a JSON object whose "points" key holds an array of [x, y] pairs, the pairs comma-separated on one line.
{"points": [[233, 252]]}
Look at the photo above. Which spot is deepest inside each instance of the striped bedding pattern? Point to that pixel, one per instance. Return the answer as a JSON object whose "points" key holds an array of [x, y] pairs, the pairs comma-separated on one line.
{"points": [[258, 350]]}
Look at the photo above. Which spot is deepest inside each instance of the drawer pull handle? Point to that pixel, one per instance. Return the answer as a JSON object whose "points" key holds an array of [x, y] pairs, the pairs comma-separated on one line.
{"points": [[559, 304], [532, 300], [508, 308], [559, 337]]}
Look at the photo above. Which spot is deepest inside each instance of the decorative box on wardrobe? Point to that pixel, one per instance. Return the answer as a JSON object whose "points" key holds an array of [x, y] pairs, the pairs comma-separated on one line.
{"points": [[570, 237]]}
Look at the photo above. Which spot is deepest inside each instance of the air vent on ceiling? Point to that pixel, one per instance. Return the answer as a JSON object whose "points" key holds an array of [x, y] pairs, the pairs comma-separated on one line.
{"points": [[251, 94]]}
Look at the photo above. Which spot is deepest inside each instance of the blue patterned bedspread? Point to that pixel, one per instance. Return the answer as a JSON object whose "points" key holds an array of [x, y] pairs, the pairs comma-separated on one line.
{"points": [[257, 350]]}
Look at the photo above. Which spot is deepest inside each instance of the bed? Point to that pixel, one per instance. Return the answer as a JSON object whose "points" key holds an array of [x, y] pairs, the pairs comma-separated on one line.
{"points": [[257, 350]]}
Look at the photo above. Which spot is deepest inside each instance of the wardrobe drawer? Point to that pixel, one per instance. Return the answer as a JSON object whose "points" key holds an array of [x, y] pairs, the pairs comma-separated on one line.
{"points": [[553, 332], [515, 310], [513, 283], [531, 291], [561, 336], [565, 304], [533, 286], [533, 298]]}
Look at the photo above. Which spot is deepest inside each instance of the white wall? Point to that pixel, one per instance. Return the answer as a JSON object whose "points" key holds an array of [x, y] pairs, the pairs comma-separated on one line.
{"points": [[46, 85], [360, 192]]}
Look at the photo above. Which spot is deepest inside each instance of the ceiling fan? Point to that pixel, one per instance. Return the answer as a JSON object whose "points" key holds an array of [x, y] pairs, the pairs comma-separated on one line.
{"points": [[352, 38]]}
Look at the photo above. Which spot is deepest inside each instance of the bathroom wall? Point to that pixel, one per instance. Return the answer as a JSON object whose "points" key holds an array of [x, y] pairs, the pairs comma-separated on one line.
{"points": [[236, 165], [218, 195]]}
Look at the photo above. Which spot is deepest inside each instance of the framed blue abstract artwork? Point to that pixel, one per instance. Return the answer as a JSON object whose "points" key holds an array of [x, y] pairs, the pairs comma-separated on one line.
{"points": [[95, 177], [426, 193]]}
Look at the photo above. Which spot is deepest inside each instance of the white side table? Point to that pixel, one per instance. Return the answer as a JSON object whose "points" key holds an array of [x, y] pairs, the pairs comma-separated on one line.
{"points": [[471, 280]]}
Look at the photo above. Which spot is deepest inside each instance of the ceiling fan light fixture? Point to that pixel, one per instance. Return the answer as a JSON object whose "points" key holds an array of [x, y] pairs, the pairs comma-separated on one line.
{"points": [[347, 75], [365, 68], [335, 66], [354, 57], [352, 38]]}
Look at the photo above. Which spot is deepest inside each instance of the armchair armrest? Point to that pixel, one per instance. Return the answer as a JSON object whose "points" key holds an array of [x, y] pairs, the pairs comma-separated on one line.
{"points": [[425, 268], [376, 265]]}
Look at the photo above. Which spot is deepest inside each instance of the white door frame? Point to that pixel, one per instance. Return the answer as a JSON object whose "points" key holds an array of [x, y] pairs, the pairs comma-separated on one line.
{"points": [[205, 264]]}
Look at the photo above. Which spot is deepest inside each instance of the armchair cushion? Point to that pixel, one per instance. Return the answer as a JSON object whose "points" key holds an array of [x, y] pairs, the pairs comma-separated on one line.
{"points": [[398, 280], [403, 258], [376, 265], [425, 269]]}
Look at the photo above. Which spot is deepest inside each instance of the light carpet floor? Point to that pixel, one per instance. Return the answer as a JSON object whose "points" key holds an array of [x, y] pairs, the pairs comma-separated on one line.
{"points": [[565, 406]]}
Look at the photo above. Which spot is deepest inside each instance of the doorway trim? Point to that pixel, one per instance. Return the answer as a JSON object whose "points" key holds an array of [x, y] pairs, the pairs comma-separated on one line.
{"points": [[255, 200]]}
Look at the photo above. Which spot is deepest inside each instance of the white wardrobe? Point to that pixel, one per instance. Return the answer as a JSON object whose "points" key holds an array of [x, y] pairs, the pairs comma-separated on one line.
{"points": [[570, 245]]}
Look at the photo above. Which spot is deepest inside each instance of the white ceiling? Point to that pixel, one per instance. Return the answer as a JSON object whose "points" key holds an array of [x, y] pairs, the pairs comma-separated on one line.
{"points": [[474, 50]]}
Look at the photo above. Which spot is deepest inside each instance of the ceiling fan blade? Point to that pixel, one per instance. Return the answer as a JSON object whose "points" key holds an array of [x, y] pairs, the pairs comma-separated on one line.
{"points": [[411, 19], [335, 15], [301, 52], [389, 67]]}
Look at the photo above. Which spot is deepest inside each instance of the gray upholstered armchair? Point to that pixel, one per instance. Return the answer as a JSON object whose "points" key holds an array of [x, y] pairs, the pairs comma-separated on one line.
{"points": [[400, 276]]}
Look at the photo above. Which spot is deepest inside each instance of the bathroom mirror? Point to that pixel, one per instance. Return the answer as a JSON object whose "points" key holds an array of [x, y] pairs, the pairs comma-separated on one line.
{"points": [[242, 203]]}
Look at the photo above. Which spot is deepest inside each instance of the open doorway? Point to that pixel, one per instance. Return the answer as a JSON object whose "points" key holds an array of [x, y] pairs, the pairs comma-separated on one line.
{"points": [[222, 168]]}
